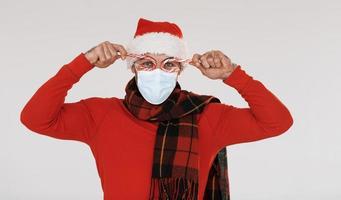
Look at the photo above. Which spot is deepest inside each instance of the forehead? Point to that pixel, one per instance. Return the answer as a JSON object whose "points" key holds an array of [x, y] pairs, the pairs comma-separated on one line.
{"points": [[157, 55]]}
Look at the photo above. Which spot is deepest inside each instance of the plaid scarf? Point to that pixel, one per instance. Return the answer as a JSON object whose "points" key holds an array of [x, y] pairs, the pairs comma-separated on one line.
{"points": [[176, 159]]}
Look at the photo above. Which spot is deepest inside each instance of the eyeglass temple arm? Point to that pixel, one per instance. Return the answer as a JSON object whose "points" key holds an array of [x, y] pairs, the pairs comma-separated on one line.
{"points": [[133, 55]]}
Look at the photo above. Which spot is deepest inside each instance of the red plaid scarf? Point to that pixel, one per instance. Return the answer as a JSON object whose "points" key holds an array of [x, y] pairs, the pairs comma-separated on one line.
{"points": [[176, 160]]}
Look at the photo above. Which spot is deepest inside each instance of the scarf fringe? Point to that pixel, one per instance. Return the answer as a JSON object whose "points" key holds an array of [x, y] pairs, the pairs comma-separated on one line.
{"points": [[170, 188]]}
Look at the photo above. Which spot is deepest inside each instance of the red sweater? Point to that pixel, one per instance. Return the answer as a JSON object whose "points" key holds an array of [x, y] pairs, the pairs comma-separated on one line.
{"points": [[122, 145]]}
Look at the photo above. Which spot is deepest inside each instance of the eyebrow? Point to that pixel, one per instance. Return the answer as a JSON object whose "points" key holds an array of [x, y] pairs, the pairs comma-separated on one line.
{"points": [[161, 60], [167, 58]]}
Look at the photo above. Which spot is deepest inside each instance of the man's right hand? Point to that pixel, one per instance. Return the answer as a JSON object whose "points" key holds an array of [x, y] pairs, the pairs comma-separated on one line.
{"points": [[105, 54]]}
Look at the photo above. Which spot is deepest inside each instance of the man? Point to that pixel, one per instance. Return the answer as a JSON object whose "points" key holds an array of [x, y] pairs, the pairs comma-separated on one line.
{"points": [[159, 141]]}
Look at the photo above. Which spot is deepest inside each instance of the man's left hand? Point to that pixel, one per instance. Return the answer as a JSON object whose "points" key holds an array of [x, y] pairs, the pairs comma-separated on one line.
{"points": [[213, 64]]}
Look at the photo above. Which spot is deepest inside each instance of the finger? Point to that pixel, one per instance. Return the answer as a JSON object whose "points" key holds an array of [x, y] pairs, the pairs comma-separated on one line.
{"points": [[202, 69], [204, 62], [225, 60], [121, 49], [217, 59], [209, 59], [113, 51], [195, 60], [107, 52], [100, 53]]}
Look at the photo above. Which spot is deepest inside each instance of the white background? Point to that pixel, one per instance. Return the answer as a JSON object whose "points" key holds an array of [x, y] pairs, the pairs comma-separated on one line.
{"points": [[292, 47]]}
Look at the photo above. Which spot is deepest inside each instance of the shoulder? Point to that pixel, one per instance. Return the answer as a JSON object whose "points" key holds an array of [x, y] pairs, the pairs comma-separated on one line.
{"points": [[100, 101], [99, 106], [213, 113]]}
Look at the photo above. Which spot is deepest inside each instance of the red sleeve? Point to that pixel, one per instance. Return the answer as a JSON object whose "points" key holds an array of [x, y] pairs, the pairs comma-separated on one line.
{"points": [[265, 117], [47, 113]]}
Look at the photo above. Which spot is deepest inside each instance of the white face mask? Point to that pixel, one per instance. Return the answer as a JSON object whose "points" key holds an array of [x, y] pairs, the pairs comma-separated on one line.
{"points": [[155, 86]]}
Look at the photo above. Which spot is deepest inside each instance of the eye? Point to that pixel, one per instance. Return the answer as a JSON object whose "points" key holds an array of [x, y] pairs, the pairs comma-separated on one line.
{"points": [[169, 64], [172, 65], [148, 64]]}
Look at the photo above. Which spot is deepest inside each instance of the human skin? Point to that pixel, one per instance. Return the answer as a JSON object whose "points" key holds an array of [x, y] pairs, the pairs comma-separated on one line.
{"points": [[213, 64]]}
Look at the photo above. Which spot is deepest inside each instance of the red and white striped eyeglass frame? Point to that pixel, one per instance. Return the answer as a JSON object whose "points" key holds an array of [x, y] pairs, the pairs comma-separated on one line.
{"points": [[186, 60]]}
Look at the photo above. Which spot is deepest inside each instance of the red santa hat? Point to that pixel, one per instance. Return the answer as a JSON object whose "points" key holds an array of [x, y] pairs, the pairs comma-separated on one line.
{"points": [[157, 37]]}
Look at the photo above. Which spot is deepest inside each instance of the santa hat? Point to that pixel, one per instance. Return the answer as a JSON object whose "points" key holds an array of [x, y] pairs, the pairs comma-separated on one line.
{"points": [[157, 37]]}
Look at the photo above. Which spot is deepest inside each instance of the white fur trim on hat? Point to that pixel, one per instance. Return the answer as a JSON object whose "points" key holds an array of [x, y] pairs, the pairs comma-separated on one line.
{"points": [[158, 43]]}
